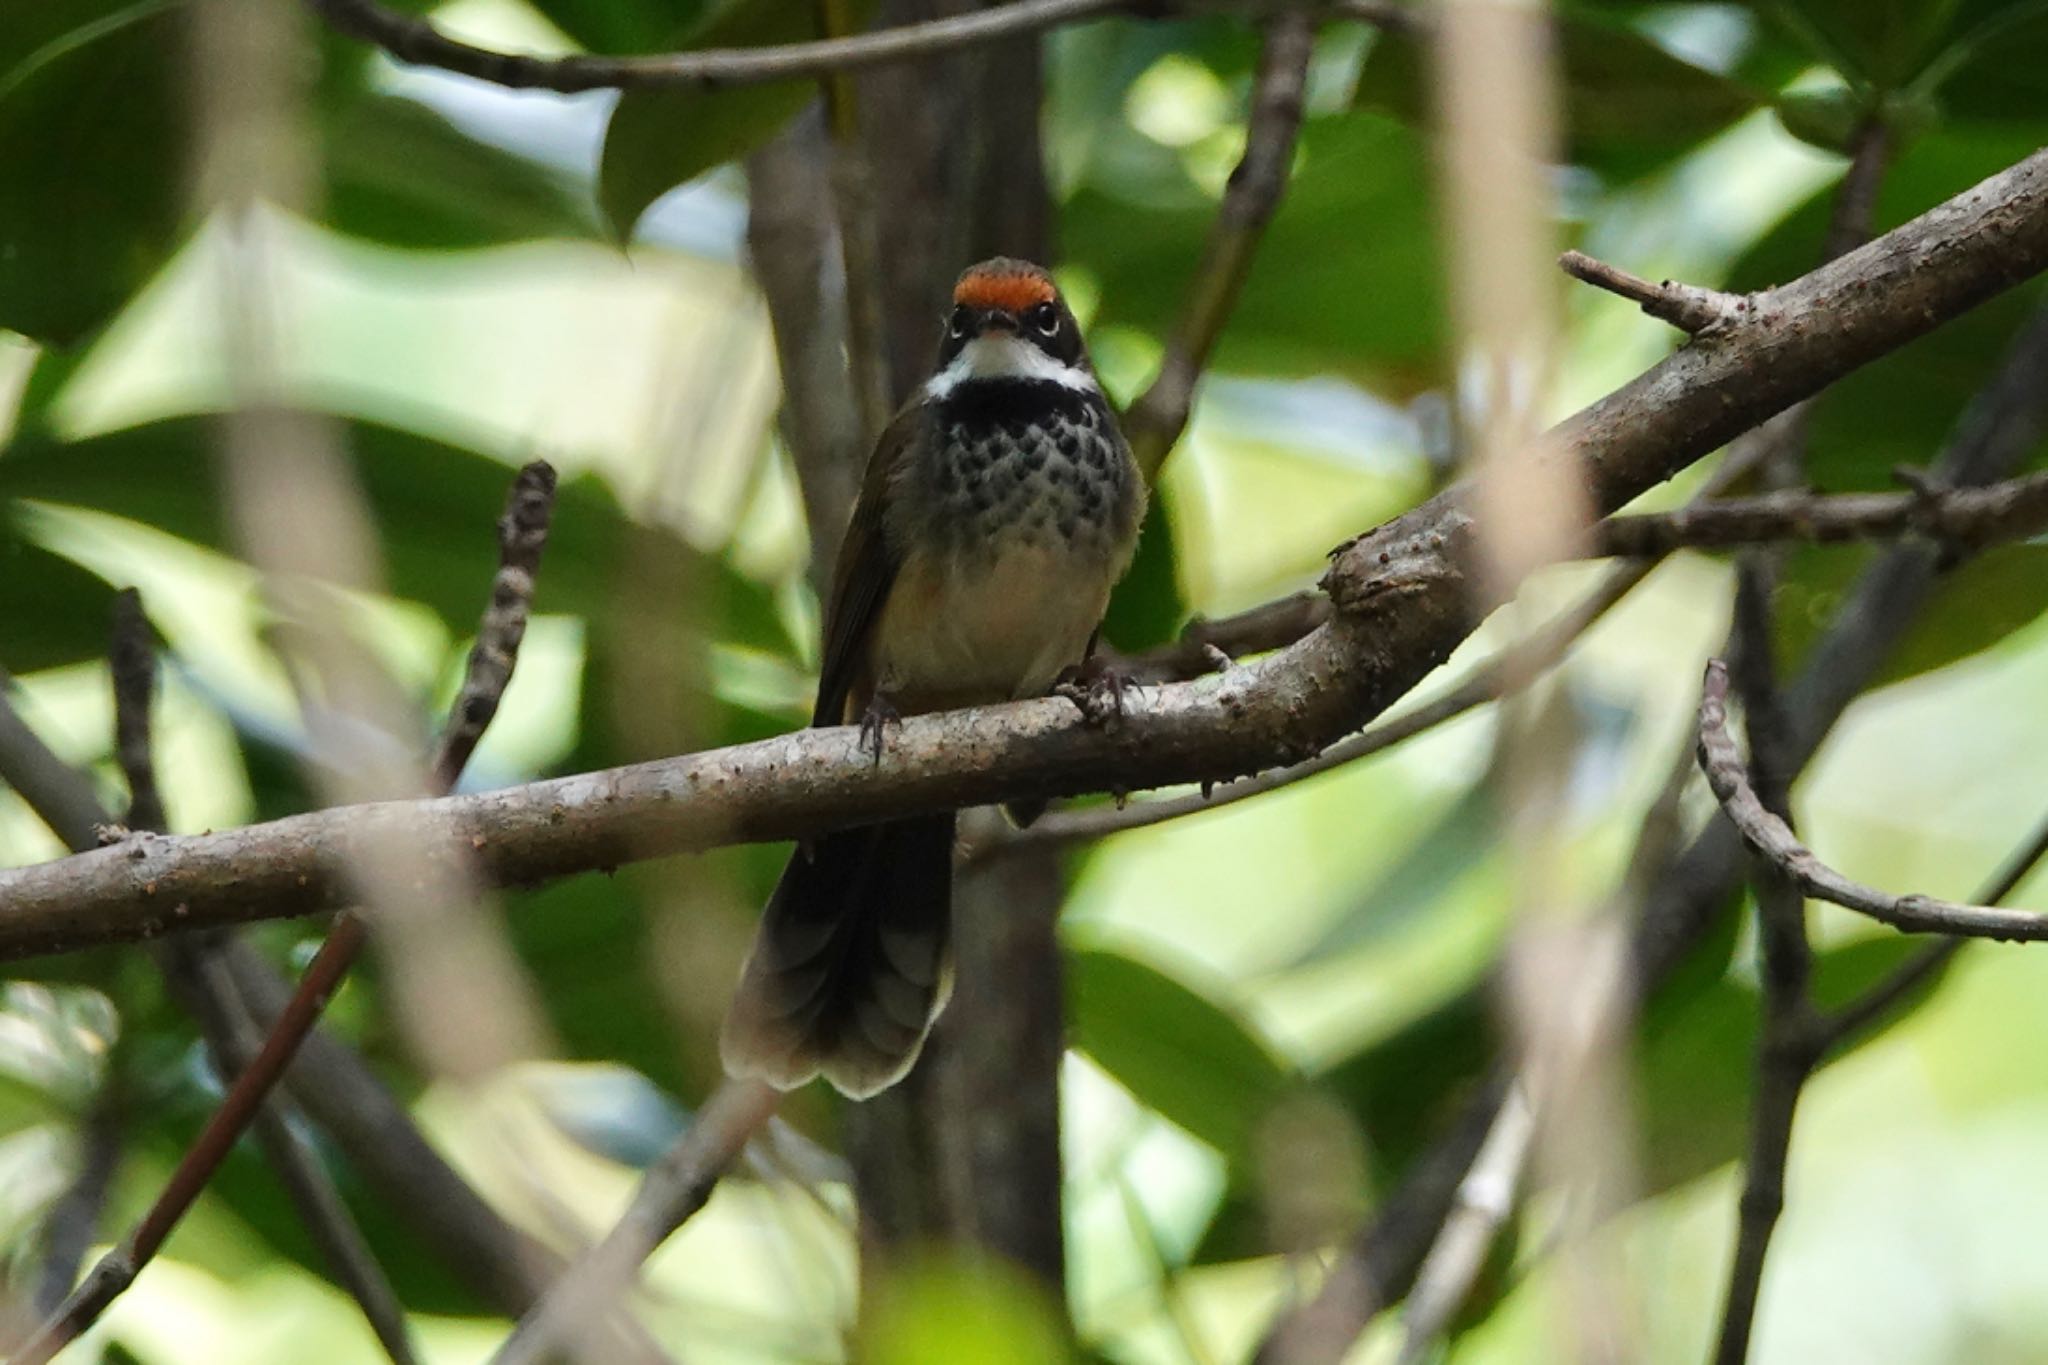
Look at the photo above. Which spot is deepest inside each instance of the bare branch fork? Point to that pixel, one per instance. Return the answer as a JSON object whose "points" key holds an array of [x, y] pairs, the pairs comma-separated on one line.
{"points": [[1773, 839], [1399, 601], [522, 533]]}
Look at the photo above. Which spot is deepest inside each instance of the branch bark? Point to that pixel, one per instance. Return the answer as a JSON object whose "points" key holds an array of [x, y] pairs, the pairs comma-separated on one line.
{"points": [[415, 40], [1400, 607]]}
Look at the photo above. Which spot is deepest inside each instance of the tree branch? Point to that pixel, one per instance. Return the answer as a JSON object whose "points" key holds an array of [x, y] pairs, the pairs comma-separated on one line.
{"points": [[1963, 518], [1486, 1196], [73, 1222], [1688, 307], [1773, 839], [1155, 421], [1786, 1051], [1511, 668], [416, 40], [672, 1191], [1400, 606], [1859, 1014]]}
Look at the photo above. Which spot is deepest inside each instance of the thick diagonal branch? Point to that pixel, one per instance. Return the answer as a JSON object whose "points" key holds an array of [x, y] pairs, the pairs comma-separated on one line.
{"points": [[1401, 605]]}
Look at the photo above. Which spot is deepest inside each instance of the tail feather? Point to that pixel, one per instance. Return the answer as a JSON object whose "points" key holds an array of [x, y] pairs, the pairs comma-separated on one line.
{"points": [[848, 969]]}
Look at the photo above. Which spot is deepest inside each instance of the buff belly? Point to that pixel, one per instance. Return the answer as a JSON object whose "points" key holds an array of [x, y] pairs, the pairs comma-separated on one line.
{"points": [[966, 630]]}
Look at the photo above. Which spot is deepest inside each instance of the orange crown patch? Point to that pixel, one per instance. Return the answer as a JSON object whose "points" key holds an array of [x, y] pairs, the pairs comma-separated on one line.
{"points": [[1011, 289]]}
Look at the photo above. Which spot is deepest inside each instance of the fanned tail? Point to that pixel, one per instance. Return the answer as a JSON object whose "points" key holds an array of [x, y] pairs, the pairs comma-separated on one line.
{"points": [[848, 968]]}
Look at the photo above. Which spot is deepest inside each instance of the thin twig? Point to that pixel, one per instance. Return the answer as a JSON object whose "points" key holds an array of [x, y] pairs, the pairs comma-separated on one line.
{"points": [[1855, 208], [673, 1189], [522, 535], [1688, 307], [1771, 837], [522, 532], [1207, 645], [1513, 667], [861, 278], [1382, 1262], [1859, 1014], [1786, 1047], [73, 1222], [1962, 518], [415, 40], [1485, 1198], [201, 982], [1156, 420]]}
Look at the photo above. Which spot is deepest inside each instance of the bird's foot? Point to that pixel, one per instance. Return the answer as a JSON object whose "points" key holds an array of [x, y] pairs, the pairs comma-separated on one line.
{"points": [[881, 713], [1097, 688]]}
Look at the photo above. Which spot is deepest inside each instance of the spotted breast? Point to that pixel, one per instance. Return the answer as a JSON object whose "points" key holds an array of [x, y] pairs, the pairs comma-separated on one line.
{"points": [[1015, 516]]}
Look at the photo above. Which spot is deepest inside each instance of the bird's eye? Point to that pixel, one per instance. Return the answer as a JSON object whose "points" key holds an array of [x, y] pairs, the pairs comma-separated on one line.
{"points": [[960, 323], [1045, 318]]}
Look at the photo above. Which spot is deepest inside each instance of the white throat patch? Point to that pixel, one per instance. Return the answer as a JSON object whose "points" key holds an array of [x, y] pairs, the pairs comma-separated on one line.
{"points": [[1006, 357]]}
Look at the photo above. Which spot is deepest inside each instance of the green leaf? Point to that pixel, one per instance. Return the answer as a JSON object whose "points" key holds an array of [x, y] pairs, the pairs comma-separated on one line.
{"points": [[658, 139], [1454, 847], [1981, 603], [1347, 281], [1882, 43], [625, 27], [588, 943], [1630, 106], [399, 172], [933, 1310], [93, 119], [1697, 1061], [52, 612], [1178, 1052], [1995, 67], [436, 505]]}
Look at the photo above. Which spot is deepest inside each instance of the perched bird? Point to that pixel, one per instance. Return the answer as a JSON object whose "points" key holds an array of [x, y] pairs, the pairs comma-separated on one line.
{"points": [[999, 508]]}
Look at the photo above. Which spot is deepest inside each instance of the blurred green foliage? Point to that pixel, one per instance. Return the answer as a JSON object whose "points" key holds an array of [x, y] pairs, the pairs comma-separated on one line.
{"points": [[1379, 1009]]}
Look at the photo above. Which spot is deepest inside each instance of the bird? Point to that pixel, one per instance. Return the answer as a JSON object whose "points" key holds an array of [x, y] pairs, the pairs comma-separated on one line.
{"points": [[998, 509]]}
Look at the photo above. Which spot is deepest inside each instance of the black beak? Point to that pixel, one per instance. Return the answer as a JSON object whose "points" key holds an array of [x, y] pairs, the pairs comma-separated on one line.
{"points": [[999, 320]]}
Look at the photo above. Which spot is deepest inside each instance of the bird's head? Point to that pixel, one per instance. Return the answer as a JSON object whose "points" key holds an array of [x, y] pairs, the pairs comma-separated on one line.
{"points": [[1008, 322]]}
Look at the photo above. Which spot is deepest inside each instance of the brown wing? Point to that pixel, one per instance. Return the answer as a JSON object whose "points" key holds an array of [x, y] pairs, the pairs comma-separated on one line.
{"points": [[861, 578]]}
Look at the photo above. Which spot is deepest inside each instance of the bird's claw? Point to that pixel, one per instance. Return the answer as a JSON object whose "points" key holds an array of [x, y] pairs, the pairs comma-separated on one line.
{"points": [[881, 713], [1097, 690]]}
